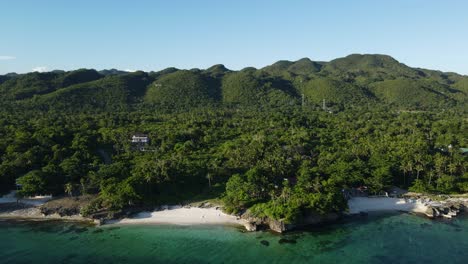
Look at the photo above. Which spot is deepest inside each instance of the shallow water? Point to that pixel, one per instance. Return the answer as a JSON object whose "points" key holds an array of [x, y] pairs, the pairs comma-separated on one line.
{"points": [[397, 238]]}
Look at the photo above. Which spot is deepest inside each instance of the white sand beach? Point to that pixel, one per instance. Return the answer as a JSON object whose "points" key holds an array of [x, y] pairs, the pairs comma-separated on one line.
{"points": [[182, 216], [35, 201], [370, 204]]}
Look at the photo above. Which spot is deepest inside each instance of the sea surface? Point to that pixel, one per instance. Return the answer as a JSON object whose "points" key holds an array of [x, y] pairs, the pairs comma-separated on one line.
{"points": [[389, 238]]}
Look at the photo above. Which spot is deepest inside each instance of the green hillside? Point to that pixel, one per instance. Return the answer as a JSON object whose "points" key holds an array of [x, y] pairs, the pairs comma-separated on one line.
{"points": [[410, 93], [78, 76], [301, 67], [112, 92], [25, 86], [305, 66], [217, 71], [248, 88], [462, 85], [183, 88], [334, 91], [352, 80], [365, 69]]}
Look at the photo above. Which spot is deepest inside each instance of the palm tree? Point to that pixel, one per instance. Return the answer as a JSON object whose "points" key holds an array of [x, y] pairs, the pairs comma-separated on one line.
{"points": [[431, 173], [452, 167], [209, 177], [418, 168], [69, 189], [403, 168], [409, 168], [439, 162]]}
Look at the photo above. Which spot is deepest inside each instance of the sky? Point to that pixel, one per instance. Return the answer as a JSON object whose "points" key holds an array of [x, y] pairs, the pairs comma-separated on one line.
{"points": [[43, 35]]}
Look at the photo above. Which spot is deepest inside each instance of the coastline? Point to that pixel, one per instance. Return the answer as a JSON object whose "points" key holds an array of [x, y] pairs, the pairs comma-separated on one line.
{"points": [[374, 204], [29, 209], [20, 211], [447, 207], [213, 215], [168, 215], [178, 215]]}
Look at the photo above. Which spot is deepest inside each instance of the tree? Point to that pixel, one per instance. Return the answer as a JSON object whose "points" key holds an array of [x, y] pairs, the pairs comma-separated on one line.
{"points": [[118, 195], [209, 177], [445, 184], [380, 180], [69, 189], [418, 186], [452, 168], [418, 168], [239, 193], [32, 183]]}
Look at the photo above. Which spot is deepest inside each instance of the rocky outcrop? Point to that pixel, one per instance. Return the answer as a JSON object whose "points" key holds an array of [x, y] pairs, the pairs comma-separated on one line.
{"points": [[448, 208], [251, 226], [258, 223], [62, 211], [66, 206]]}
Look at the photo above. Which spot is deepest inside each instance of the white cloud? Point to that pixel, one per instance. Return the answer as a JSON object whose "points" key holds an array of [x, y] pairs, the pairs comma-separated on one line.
{"points": [[40, 69], [129, 70], [7, 57]]}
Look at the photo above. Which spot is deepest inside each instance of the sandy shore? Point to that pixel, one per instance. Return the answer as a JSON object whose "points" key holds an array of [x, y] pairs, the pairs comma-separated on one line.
{"points": [[182, 216], [35, 201], [366, 204]]}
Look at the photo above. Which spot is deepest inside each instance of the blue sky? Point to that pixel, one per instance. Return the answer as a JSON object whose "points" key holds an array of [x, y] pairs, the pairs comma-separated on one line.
{"points": [[153, 35]]}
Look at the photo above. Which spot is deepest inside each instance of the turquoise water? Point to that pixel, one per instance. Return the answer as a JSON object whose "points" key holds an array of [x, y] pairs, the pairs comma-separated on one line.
{"points": [[399, 238]]}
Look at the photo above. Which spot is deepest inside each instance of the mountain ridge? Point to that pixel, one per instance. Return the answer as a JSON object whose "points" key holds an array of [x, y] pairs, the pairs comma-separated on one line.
{"points": [[350, 80]]}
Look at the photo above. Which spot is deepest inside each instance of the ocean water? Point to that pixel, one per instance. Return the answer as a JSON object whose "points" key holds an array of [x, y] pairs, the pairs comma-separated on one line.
{"points": [[391, 238]]}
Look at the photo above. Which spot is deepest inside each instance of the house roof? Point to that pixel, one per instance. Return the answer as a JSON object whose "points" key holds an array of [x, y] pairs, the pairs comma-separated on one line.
{"points": [[140, 135]]}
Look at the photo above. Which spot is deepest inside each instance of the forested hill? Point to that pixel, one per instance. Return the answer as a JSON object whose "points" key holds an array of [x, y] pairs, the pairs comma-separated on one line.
{"points": [[343, 83], [257, 139]]}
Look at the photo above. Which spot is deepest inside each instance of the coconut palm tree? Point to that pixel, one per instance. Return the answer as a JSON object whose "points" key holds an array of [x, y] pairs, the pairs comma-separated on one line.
{"points": [[418, 168], [209, 177], [69, 189]]}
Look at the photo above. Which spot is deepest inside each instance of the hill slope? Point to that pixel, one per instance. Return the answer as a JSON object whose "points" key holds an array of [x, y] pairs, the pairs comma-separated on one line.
{"points": [[183, 88], [344, 81]]}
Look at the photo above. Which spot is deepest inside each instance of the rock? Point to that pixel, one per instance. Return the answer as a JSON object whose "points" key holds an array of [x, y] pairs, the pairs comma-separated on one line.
{"points": [[444, 210], [436, 212], [452, 214], [430, 212], [251, 227], [98, 222], [448, 208], [446, 216], [265, 243], [206, 205], [280, 226], [277, 226], [457, 206]]}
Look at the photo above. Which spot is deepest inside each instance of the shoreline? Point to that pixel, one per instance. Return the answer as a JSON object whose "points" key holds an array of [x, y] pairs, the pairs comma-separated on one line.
{"points": [[193, 215], [358, 205], [178, 215], [22, 211], [447, 208]]}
